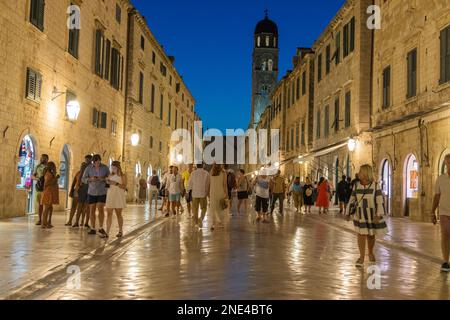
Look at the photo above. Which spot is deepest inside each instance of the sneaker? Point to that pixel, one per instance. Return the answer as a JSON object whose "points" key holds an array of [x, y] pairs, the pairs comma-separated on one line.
{"points": [[445, 267], [76, 225], [86, 226], [39, 223], [92, 232], [102, 232]]}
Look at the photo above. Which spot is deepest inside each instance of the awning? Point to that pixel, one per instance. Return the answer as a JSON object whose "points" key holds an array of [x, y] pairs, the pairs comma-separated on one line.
{"points": [[322, 152]]}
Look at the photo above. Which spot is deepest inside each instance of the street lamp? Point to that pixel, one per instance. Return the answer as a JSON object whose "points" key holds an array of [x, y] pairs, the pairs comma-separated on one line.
{"points": [[351, 145], [135, 139], [277, 164], [73, 110], [179, 158]]}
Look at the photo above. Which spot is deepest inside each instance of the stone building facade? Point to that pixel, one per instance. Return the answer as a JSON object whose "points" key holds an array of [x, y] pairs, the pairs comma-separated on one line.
{"points": [[380, 97], [411, 102], [43, 67], [158, 102]]}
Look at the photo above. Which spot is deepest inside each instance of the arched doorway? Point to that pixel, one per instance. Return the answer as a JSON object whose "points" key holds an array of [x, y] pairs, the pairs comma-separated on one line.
{"points": [[386, 184], [411, 180], [442, 167], [64, 172], [25, 168]]}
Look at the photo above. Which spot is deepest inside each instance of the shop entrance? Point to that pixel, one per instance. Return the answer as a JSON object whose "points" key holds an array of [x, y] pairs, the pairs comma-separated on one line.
{"points": [[25, 167], [64, 172], [411, 182], [442, 166], [386, 185]]}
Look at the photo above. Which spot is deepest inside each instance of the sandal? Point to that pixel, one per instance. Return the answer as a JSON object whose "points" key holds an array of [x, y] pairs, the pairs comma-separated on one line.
{"points": [[68, 224], [372, 259], [39, 223], [119, 235], [75, 225], [359, 263]]}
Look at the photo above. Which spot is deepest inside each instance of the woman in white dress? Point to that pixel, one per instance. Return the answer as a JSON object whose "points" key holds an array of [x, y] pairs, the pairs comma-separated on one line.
{"points": [[218, 194], [115, 198]]}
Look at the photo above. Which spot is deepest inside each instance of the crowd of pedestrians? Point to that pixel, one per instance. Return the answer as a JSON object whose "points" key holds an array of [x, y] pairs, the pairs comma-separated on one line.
{"points": [[97, 187]]}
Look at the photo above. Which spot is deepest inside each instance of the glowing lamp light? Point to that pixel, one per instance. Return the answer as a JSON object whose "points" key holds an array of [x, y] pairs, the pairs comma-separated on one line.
{"points": [[135, 139], [416, 165], [352, 145], [73, 110], [180, 158], [277, 164]]}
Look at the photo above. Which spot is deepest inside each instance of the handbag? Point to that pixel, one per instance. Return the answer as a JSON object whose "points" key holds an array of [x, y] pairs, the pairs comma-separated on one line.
{"points": [[224, 204], [354, 205]]}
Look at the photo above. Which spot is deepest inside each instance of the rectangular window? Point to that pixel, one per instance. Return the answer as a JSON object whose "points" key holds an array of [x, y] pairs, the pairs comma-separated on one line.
{"points": [[387, 87], [298, 88], [152, 99], [37, 9], [176, 119], [412, 73], [445, 55], [303, 134], [178, 87], [163, 69], [327, 121], [103, 120], [287, 140], [141, 88], [160, 146], [297, 136], [292, 139], [99, 39], [348, 109], [337, 116], [304, 83], [161, 108], [108, 59], [346, 40], [338, 48], [115, 68], [151, 142], [114, 127], [118, 13], [352, 34], [153, 57], [142, 43], [74, 36], [328, 62], [318, 125], [169, 117], [33, 85], [319, 68], [95, 117]]}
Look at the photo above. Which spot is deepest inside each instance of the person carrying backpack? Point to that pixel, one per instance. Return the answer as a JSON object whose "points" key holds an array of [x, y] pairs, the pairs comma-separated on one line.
{"points": [[153, 190]]}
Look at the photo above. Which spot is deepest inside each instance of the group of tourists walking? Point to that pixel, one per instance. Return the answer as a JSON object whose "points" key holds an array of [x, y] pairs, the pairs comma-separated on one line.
{"points": [[95, 188]]}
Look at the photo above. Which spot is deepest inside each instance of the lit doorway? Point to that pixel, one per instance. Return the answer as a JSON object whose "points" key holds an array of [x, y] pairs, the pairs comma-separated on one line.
{"points": [[25, 167], [64, 172], [411, 182], [386, 185], [442, 167]]}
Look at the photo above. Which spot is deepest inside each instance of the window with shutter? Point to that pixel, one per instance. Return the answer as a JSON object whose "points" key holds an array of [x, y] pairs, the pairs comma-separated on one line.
{"points": [[303, 134], [152, 99], [37, 9], [297, 136], [304, 83], [319, 68], [346, 40], [328, 60], [336, 115], [387, 87], [141, 87], [33, 85], [445, 55], [338, 48], [104, 119], [95, 117], [292, 139], [161, 109], [318, 125], [169, 116], [352, 34], [412, 73], [327, 121], [118, 13], [298, 88], [348, 101], [108, 59], [98, 51]]}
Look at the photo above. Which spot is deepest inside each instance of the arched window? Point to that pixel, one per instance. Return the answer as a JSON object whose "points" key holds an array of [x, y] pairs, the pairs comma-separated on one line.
{"points": [[270, 65], [258, 42], [264, 66], [267, 41]]}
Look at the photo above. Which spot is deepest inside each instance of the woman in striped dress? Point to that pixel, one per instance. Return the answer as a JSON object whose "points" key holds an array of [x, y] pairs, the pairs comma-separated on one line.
{"points": [[368, 218]]}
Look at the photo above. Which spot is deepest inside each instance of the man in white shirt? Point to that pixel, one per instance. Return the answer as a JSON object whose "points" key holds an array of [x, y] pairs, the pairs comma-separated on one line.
{"points": [[199, 185], [442, 201]]}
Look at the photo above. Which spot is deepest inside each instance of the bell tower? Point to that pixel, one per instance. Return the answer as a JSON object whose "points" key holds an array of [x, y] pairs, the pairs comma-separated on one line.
{"points": [[265, 66]]}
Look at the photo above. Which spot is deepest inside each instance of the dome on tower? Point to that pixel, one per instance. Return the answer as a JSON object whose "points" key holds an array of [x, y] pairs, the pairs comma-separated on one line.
{"points": [[266, 26]]}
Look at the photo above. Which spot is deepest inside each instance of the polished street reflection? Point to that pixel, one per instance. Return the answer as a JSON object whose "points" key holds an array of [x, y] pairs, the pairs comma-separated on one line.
{"points": [[294, 257]]}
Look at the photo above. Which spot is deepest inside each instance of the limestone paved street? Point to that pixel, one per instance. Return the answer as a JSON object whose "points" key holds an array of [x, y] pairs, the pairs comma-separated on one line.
{"points": [[295, 257]]}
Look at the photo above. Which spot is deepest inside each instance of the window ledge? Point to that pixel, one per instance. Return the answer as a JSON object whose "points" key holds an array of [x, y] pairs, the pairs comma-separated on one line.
{"points": [[442, 87]]}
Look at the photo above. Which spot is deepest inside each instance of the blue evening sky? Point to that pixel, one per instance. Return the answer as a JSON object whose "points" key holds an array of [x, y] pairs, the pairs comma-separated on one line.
{"points": [[213, 41]]}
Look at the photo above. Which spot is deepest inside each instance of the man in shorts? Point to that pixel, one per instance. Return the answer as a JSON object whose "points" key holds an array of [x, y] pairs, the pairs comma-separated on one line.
{"points": [[188, 191], [175, 187], [95, 176], [442, 201], [165, 190], [38, 174]]}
